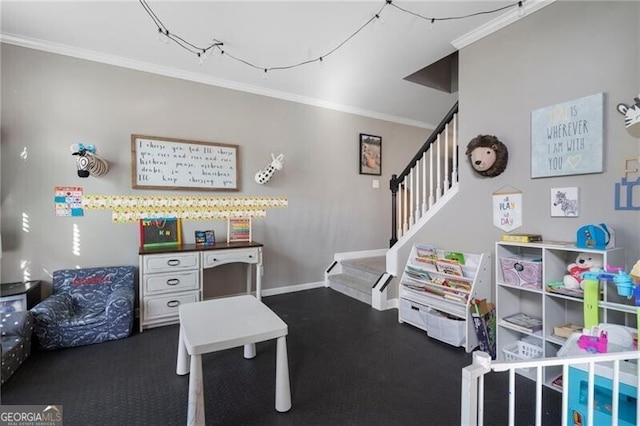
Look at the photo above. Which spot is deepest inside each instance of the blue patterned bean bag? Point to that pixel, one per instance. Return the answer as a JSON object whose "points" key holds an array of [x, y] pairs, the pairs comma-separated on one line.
{"points": [[89, 305]]}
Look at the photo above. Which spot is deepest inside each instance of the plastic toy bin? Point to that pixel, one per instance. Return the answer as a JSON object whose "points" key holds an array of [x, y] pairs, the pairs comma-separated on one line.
{"points": [[522, 272]]}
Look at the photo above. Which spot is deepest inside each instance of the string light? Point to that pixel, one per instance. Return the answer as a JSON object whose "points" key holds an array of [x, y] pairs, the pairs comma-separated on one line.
{"points": [[520, 9], [164, 35]]}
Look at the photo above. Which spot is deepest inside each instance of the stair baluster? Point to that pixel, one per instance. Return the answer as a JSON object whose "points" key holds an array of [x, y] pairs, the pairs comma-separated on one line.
{"points": [[441, 173]]}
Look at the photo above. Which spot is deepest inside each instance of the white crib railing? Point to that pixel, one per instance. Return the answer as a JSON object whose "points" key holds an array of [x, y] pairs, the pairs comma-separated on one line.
{"points": [[473, 391]]}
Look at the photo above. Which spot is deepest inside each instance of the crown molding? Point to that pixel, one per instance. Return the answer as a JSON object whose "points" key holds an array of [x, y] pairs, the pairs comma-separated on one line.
{"points": [[90, 55], [500, 22]]}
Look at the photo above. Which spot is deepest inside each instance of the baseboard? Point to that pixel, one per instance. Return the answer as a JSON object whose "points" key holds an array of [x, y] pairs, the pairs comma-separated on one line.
{"points": [[292, 288]]}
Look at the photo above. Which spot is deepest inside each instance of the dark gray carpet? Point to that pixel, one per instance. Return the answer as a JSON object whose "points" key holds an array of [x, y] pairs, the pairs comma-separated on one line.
{"points": [[349, 365]]}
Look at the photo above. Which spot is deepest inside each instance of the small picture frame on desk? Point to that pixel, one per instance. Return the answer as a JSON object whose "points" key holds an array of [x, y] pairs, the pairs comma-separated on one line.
{"points": [[205, 237], [238, 229]]}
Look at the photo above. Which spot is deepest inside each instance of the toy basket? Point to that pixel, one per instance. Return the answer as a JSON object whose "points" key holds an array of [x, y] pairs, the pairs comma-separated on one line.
{"points": [[521, 351]]}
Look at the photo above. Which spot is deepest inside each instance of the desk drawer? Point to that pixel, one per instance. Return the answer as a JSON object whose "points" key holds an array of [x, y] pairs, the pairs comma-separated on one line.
{"points": [[220, 257], [171, 282], [167, 305], [171, 262]]}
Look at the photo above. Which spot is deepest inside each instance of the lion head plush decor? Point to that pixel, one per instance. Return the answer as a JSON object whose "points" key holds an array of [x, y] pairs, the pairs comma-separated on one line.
{"points": [[488, 155]]}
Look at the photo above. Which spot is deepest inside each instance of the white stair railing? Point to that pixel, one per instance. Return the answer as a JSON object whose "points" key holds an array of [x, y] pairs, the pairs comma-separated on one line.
{"points": [[427, 178], [472, 398]]}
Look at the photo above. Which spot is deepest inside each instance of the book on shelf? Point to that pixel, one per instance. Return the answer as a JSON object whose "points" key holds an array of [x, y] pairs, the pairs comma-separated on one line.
{"points": [[573, 292], [455, 256], [522, 238], [449, 267], [524, 322], [417, 273], [447, 294], [426, 255]]}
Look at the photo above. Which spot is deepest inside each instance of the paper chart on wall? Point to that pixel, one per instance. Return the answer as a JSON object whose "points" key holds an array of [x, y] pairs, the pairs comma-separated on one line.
{"points": [[128, 209], [68, 201]]}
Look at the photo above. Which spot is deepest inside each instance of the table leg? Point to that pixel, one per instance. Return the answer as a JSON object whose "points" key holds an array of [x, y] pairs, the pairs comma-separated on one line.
{"points": [[283, 390], [259, 272], [250, 350], [182, 366], [249, 277], [195, 405]]}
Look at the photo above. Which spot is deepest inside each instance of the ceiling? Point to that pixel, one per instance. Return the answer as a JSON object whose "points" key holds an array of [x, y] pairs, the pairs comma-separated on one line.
{"points": [[364, 76]]}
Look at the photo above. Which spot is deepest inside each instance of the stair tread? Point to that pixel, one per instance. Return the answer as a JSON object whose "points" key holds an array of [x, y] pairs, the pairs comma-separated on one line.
{"points": [[352, 282], [376, 264]]}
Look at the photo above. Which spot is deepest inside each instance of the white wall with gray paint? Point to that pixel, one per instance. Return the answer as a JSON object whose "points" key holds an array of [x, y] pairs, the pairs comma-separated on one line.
{"points": [[562, 52], [51, 101]]}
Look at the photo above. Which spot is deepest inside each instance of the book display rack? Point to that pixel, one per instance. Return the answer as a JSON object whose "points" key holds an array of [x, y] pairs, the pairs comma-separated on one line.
{"points": [[437, 288]]}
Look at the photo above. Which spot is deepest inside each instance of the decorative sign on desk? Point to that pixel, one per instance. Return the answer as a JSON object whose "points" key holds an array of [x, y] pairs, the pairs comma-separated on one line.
{"points": [[159, 232], [566, 138], [166, 163]]}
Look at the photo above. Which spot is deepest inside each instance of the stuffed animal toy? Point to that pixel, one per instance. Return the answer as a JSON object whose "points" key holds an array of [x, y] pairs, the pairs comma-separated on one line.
{"points": [[585, 262], [488, 155]]}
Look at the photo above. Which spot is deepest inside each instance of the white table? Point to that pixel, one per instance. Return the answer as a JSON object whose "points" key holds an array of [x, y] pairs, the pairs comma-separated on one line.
{"points": [[218, 324]]}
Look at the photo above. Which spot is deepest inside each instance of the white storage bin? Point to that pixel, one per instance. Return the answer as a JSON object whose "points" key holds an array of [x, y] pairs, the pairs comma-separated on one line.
{"points": [[413, 313], [446, 328], [522, 351]]}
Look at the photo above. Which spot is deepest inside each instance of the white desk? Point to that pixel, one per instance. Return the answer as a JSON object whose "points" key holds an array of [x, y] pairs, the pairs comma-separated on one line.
{"points": [[173, 276], [241, 321]]}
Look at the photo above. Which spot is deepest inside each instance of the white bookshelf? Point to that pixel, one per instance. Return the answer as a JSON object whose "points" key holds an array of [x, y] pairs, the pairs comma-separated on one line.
{"points": [[430, 293], [554, 309]]}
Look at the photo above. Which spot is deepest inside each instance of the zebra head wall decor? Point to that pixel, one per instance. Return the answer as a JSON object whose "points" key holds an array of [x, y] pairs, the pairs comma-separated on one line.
{"points": [[631, 117], [87, 162], [264, 175]]}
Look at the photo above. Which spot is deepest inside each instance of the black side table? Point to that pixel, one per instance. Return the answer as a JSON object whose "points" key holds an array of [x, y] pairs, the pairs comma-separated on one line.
{"points": [[26, 294]]}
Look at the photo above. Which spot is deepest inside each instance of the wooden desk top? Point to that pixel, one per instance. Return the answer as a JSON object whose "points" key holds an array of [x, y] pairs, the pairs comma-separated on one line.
{"points": [[223, 245]]}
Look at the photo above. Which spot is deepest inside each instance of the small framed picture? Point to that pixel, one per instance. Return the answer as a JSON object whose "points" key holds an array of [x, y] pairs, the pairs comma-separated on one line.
{"points": [[564, 202], [370, 155], [238, 229]]}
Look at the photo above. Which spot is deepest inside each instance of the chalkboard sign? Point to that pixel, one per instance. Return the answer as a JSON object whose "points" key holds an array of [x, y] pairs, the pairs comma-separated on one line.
{"points": [[166, 163], [158, 232]]}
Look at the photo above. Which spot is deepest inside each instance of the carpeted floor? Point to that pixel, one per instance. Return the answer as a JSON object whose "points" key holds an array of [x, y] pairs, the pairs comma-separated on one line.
{"points": [[349, 365]]}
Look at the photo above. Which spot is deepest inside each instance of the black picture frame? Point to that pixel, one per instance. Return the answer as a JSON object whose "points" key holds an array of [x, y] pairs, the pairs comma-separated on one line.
{"points": [[370, 155]]}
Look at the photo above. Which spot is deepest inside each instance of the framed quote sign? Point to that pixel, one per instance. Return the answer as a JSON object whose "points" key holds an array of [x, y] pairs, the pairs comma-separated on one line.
{"points": [[158, 162], [566, 138]]}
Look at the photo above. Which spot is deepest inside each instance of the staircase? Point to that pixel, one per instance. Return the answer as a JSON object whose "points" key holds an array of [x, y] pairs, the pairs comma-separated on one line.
{"points": [[426, 184], [358, 277]]}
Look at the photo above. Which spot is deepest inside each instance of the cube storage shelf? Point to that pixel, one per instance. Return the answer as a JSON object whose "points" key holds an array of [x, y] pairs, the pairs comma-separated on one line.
{"points": [[554, 309], [443, 313]]}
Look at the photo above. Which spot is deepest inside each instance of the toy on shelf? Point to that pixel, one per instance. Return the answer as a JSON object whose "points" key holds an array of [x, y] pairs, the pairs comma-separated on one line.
{"points": [[594, 344], [620, 278], [584, 262]]}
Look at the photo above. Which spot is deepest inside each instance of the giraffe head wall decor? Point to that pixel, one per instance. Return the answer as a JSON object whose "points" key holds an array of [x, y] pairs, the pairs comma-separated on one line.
{"points": [[264, 175]]}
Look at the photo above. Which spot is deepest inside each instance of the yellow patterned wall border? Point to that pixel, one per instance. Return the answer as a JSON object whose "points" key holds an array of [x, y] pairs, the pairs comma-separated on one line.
{"points": [[128, 209]]}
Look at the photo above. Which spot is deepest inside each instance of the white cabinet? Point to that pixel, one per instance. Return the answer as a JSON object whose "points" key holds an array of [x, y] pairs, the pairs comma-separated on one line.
{"points": [[173, 276], [438, 302], [519, 295], [167, 280]]}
